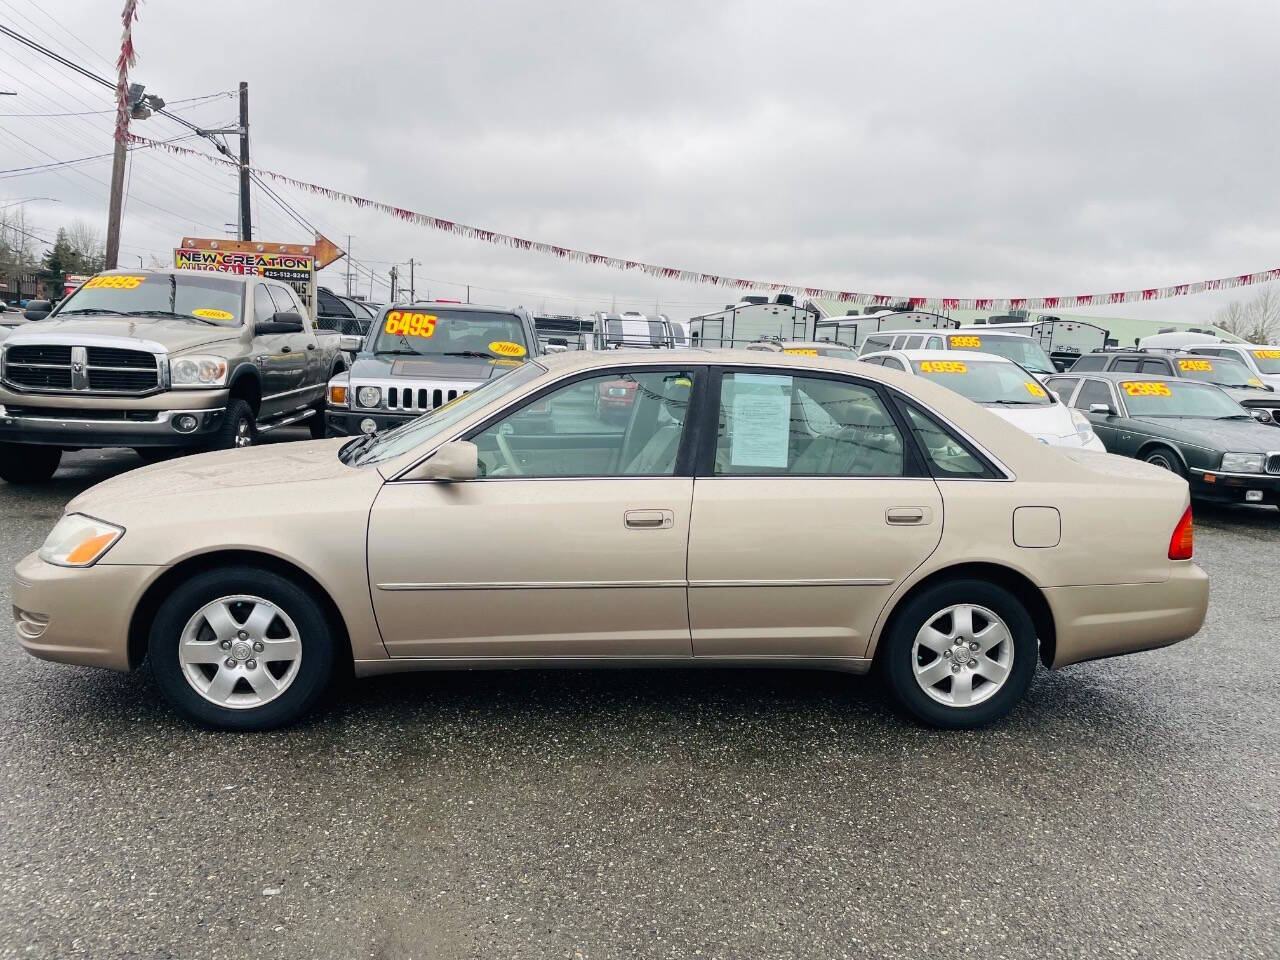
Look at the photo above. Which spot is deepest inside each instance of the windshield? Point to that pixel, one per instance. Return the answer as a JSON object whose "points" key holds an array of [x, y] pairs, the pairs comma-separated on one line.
{"points": [[1178, 398], [200, 296], [985, 381], [392, 443], [433, 332], [1225, 373], [1021, 350], [1268, 360]]}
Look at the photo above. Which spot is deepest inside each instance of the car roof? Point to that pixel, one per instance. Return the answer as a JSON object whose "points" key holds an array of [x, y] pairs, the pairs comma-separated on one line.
{"points": [[940, 355], [1117, 375]]}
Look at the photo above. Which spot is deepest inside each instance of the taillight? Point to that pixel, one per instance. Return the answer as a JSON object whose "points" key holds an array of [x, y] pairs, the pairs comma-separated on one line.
{"points": [[1180, 544]]}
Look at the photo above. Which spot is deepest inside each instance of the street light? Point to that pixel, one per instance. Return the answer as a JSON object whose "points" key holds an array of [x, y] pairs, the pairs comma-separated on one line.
{"points": [[139, 256]]}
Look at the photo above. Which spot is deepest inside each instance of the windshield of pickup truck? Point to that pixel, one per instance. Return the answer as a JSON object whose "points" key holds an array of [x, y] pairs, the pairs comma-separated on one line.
{"points": [[1223, 373], [430, 331], [206, 298], [1019, 349], [377, 447], [986, 381]]}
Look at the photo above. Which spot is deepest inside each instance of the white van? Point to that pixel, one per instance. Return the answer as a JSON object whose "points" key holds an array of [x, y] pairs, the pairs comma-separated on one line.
{"points": [[1017, 347]]}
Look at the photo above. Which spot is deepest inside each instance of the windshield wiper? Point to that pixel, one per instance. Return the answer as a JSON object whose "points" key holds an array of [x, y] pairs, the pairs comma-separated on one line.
{"points": [[466, 353], [1017, 403], [114, 313], [1235, 416], [169, 313], [358, 447]]}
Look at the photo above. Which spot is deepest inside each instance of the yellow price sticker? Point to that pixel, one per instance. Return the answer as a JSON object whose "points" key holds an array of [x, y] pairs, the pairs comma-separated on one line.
{"points": [[506, 348], [504, 362], [114, 282], [1035, 389], [800, 351], [1146, 388], [1267, 354], [1255, 382], [943, 366], [965, 342], [1204, 366], [210, 314], [410, 323]]}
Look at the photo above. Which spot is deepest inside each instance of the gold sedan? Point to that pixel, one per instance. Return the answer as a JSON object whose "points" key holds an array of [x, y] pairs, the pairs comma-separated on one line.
{"points": [[748, 509]]}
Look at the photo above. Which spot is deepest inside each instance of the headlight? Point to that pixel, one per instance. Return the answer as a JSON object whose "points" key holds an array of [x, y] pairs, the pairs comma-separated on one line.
{"points": [[79, 541], [369, 396], [198, 372], [1083, 426], [1241, 463]]}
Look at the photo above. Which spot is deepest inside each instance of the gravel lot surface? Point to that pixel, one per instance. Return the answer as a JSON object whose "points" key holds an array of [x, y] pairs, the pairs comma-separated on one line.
{"points": [[1128, 808]]}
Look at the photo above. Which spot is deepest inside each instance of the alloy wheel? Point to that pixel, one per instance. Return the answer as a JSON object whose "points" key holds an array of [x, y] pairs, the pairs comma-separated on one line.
{"points": [[962, 655], [244, 432], [240, 651]]}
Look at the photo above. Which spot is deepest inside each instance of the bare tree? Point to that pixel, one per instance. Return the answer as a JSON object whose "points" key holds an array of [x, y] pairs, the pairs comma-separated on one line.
{"points": [[1257, 321], [88, 243]]}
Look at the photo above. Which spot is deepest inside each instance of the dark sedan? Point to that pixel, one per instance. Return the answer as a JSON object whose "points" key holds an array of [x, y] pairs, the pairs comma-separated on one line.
{"points": [[1193, 429]]}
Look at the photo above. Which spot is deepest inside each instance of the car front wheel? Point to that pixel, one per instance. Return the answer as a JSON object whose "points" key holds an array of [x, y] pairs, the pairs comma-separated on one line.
{"points": [[241, 649], [961, 654]]}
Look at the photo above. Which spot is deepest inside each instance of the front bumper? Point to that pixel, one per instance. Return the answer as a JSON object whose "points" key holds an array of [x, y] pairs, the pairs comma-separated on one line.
{"points": [[346, 423], [1109, 620], [1234, 487], [77, 615], [124, 428]]}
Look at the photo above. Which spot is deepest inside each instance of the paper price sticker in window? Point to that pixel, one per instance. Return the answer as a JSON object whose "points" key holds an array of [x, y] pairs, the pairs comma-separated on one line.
{"points": [[410, 323], [1255, 382], [943, 366], [504, 362], [801, 351], [122, 283], [1035, 389], [1202, 366], [965, 342], [209, 313], [506, 348], [1267, 354], [1146, 388]]}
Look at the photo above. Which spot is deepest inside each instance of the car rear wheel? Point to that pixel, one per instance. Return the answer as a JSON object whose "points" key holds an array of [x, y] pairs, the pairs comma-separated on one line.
{"points": [[961, 654], [1165, 459], [241, 649], [28, 463]]}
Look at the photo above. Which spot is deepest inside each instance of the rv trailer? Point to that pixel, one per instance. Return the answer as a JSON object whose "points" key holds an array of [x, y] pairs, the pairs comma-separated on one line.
{"points": [[751, 319]]}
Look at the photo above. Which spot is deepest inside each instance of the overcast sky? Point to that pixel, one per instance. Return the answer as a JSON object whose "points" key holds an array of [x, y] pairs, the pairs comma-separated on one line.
{"points": [[979, 149]]}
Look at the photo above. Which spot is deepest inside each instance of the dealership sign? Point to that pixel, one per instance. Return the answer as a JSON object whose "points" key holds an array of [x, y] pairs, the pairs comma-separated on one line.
{"points": [[292, 263]]}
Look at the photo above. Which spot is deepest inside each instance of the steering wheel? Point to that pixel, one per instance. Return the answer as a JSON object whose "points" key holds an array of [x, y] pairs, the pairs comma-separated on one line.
{"points": [[505, 449]]}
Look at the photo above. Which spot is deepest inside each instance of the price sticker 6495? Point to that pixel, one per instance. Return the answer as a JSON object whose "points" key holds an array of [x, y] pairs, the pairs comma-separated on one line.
{"points": [[1146, 388]]}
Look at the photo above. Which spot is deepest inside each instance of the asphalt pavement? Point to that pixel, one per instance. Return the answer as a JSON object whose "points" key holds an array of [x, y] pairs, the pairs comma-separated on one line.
{"points": [[1129, 808]]}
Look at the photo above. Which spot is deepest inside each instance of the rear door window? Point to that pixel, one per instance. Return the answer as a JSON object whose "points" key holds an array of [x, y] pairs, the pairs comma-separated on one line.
{"points": [[948, 456]]}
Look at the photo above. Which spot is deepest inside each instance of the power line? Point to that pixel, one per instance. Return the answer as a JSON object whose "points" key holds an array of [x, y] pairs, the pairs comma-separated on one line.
{"points": [[92, 113]]}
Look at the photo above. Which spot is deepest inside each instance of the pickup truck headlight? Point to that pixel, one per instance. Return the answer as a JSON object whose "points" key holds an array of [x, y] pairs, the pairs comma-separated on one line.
{"points": [[369, 396], [79, 541], [198, 372], [1241, 463]]}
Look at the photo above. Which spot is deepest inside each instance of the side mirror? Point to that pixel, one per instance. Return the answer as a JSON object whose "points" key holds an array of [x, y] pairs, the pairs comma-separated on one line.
{"points": [[37, 309], [286, 321], [1102, 408], [455, 460], [350, 343]]}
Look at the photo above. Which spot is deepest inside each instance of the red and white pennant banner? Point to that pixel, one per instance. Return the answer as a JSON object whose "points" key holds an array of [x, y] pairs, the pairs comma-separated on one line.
{"points": [[993, 304]]}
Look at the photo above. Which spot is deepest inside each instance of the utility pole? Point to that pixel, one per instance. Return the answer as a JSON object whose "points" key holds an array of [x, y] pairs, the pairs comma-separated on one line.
{"points": [[246, 221], [116, 202], [411, 288], [468, 293], [348, 264], [393, 282]]}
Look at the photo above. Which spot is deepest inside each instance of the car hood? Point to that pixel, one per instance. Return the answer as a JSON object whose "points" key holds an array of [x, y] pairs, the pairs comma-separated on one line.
{"points": [[381, 367], [1049, 420], [1244, 436], [1241, 394], [169, 334], [293, 463]]}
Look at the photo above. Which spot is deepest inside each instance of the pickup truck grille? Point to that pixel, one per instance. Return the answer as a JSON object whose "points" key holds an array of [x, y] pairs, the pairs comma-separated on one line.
{"points": [[54, 368]]}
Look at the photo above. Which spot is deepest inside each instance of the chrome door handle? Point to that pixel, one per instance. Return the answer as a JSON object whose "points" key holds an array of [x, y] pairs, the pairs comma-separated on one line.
{"points": [[649, 519], [905, 516]]}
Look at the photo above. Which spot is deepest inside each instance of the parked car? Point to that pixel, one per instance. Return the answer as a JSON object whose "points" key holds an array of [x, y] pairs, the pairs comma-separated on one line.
{"points": [[1263, 360], [1008, 390], [1021, 349], [813, 537], [162, 361], [1239, 382], [419, 357], [1188, 428], [806, 348]]}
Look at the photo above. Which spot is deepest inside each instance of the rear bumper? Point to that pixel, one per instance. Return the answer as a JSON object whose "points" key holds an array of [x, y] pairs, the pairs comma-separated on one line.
{"points": [[77, 615], [346, 423], [1109, 620]]}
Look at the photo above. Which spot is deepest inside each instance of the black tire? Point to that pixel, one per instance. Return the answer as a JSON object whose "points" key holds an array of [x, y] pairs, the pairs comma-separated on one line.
{"points": [[28, 463], [1165, 459], [238, 423], [316, 421], [315, 669], [897, 655]]}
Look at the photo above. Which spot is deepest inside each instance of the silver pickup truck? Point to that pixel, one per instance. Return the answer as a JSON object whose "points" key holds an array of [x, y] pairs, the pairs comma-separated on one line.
{"points": [[160, 361]]}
